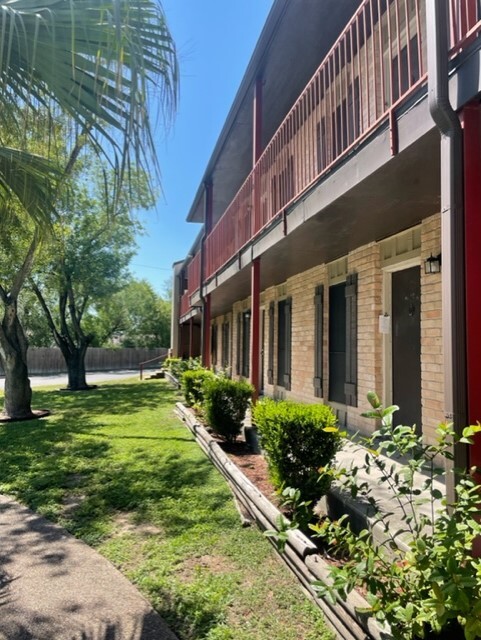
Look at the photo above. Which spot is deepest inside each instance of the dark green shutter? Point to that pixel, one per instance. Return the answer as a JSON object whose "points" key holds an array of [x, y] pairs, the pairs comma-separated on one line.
{"points": [[225, 345], [213, 344], [350, 387], [287, 375], [270, 362], [318, 341], [239, 344]]}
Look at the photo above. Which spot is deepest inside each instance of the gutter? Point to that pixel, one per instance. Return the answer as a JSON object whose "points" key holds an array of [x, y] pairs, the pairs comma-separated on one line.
{"points": [[452, 226]]}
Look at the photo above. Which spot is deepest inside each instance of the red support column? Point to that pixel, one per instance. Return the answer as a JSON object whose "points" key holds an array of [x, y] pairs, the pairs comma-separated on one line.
{"points": [[255, 324], [256, 263], [206, 312], [471, 118]]}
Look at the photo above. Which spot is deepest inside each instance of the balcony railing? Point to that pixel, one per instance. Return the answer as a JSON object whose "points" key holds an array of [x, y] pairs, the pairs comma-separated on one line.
{"points": [[375, 64], [184, 304], [465, 21], [193, 283], [193, 274]]}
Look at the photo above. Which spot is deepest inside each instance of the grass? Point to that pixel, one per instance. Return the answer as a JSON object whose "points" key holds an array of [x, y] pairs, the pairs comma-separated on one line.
{"points": [[118, 470]]}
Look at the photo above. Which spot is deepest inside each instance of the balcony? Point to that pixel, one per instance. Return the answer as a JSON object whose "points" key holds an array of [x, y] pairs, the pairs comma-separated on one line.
{"points": [[377, 63], [193, 284]]}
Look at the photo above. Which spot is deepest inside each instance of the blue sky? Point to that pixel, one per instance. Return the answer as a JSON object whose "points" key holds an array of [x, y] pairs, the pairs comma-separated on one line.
{"points": [[215, 40]]}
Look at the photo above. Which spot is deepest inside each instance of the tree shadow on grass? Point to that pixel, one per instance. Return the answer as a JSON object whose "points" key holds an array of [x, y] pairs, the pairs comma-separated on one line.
{"points": [[68, 471], [162, 491], [114, 399]]}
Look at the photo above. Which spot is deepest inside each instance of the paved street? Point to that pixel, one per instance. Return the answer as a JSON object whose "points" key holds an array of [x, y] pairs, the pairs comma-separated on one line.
{"points": [[92, 378]]}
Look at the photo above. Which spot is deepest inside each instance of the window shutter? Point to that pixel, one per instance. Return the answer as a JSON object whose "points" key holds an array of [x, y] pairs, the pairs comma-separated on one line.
{"points": [[239, 344], [287, 375], [213, 344], [350, 387], [225, 345], [318, 341], [270, 363]]}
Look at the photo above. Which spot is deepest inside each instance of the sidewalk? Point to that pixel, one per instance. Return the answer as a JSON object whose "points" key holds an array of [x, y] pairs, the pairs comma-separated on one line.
{"points": [[55, 587]]}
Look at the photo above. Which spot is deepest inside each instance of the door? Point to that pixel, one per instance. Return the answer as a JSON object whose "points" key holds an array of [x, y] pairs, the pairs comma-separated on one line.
{"points": [[406, 346], [337, 343]]}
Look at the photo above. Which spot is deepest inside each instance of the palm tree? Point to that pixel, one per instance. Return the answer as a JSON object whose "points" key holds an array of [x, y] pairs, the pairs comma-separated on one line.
{"points": [[98, 62]]}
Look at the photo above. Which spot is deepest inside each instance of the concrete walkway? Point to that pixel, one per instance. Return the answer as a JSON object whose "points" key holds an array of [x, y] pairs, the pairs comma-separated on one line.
{"points": [[55, 587]]}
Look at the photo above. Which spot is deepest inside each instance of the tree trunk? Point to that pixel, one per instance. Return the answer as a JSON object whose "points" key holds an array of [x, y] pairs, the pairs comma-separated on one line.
{"points": [[13, 356], [75, 361]]}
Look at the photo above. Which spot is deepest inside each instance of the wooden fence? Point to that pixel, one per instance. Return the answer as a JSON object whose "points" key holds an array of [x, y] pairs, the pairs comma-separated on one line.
{"points": [[45, 360]]}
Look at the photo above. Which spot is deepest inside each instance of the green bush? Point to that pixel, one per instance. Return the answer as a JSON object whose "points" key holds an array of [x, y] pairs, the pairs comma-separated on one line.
{"points": [[177, 366], [299, 439], [192, 385], [225, 404], [432, 588]]}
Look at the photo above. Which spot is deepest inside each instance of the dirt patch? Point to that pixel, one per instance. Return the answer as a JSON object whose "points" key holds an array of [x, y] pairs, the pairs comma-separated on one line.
{"points": [[71, 503], [125, 524], [213, 564]]}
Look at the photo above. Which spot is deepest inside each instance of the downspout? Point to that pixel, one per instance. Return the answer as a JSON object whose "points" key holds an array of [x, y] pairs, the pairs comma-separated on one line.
{"points": [[452, 227]]}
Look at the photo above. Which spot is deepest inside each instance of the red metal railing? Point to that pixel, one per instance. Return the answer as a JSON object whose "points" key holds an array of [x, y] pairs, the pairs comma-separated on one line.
{"points": [[378, 60], [193, 274], [184, 304], [465, 21], [375, 64]]}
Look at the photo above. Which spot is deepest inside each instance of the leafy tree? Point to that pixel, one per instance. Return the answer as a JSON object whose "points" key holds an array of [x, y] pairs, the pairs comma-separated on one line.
{"points": [[85, 262], [33, 320], [95, 64], [135, 317]]}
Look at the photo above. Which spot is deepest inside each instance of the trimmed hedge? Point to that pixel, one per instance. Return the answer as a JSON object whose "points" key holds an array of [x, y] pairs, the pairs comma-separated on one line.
{"points": [[298, 439], [225, 405], [193, 385]]}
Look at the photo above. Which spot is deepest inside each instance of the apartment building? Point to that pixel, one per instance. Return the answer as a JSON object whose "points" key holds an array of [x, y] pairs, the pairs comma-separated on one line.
{"points": [[340, 214]]}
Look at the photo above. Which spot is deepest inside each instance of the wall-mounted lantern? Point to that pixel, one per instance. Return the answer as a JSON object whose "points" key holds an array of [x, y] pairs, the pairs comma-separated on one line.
{"points": [[433, 264]]}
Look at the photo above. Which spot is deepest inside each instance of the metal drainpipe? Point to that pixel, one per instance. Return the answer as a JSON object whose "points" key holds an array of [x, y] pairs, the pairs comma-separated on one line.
{"points": [[452, 226]]}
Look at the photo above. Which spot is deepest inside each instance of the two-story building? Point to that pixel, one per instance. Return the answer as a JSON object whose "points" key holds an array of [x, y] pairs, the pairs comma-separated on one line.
{"points": [[340, 214]]}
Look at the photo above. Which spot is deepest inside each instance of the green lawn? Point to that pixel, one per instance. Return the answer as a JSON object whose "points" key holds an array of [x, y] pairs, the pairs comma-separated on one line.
{"points": [[117, 469]]}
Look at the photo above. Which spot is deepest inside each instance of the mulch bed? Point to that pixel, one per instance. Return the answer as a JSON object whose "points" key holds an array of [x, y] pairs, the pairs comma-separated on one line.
{"points": [[252, 465]]}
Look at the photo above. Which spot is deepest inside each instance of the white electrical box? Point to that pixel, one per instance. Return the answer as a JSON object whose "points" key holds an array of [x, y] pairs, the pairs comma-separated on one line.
{"points": [[385, 324]]}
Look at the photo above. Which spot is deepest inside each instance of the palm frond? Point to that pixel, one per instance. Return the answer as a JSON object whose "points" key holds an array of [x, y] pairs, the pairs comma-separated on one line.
{"points": [[30, 180], [97, 60]]}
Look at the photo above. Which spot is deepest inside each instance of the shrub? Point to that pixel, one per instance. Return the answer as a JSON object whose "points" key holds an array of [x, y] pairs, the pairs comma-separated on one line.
{"points": [[434, 586], [298, 440], [225, 404], [192, 385], [177, 366]]}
